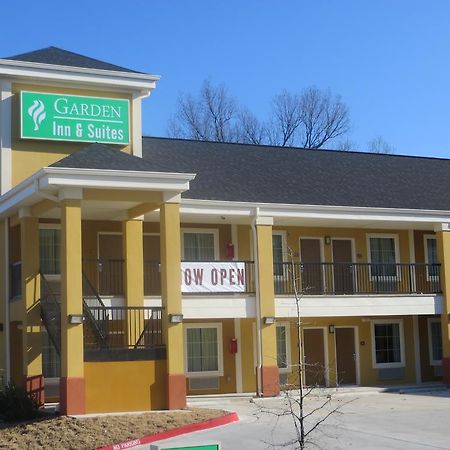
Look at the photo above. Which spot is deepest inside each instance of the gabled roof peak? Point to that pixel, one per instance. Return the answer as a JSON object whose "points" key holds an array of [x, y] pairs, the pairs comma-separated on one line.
{"points": [[60, 57]]}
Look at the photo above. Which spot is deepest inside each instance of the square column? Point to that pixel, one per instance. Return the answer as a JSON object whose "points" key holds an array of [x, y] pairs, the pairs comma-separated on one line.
{"points": [[72, 390], [31, 307], [171, 302], [133, 252], [443, 248], [270, 373]]}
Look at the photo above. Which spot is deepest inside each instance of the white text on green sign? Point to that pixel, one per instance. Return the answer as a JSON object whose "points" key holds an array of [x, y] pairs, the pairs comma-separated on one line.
{"points": [[64, 117]]}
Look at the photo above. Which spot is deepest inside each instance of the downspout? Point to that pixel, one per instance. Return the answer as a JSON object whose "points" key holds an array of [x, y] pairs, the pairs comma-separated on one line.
{"points": [[6, 325], [258, 311]]}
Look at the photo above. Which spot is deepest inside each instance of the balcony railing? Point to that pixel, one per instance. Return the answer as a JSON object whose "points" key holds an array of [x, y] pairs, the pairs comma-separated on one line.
{"points": [[124, 328], [356, 278]]}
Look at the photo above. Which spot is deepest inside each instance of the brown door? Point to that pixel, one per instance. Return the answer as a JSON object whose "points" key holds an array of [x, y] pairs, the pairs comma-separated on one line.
{"points": [[342, 267], [314, 356], [110, 271], [152, 279], [345, 355], [311, 267]]}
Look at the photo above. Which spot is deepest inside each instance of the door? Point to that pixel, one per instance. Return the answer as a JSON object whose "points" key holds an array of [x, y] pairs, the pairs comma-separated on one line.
{"points": [[345, 355], [311, 267], [314, 356], [342, 267], [152, 278], [110, 268]]}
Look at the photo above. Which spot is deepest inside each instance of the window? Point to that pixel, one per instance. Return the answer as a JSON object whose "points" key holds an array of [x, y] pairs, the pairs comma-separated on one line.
{"points": [[199, 245], [278, 252], [49, 251], [203, 350], [50, 358], [283, 347], [387, 344], [431, 257], [435, 341], [383, 256]]}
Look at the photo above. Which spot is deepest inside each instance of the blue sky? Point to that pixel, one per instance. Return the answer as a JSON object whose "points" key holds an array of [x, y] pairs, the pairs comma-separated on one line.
{"points": [[389, 60]]}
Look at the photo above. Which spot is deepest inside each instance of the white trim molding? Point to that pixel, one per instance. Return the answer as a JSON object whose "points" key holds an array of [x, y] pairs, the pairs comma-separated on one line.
{"points": [[388, 365], [5, 136], [205, 374]]}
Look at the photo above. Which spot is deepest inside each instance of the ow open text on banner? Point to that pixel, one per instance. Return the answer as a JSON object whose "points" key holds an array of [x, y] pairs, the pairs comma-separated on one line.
{"points": [[213, 277]]}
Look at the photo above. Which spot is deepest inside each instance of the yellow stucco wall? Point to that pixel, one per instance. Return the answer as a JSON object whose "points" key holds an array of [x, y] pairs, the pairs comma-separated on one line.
{"points": [[125, 386], [227, 382], [28, 155], [293, 235], [248, 355], [368, 374]]}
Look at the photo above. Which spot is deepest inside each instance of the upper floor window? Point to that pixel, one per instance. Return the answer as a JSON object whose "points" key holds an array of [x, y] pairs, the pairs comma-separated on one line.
{"points": [[431, 258], [278, 253], [383, 255], [200, 245], [50, 250]]}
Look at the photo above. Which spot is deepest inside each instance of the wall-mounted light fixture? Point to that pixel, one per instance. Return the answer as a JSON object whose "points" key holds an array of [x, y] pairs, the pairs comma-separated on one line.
{"points": [[327, 240], [175, 318], [269, 320], [331, 329], [76, 319]]}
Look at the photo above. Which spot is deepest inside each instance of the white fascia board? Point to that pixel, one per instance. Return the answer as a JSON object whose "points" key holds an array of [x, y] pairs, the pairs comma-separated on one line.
{"points": [[51, 72], [211, 207], [53, 178], [355, 306], [115, 179]]}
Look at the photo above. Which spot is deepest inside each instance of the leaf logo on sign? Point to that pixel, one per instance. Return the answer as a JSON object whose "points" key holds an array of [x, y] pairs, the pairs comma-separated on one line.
{"points": [[37, 113]]}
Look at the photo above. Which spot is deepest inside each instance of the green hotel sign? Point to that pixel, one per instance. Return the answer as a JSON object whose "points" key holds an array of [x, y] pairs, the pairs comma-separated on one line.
{"points": [[64, 117]]}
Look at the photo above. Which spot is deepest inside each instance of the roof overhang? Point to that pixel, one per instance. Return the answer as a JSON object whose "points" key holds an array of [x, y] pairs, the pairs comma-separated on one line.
{"points": [[313, 215], [56, 74], [47, 183]]}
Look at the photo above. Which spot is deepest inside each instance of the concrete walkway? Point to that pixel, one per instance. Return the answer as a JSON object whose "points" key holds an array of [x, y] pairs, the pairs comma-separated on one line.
{"points": [[404, 417]]}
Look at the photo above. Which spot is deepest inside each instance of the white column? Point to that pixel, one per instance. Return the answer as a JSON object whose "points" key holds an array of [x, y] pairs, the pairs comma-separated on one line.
{"points": [[136, 125], [5, 136]]}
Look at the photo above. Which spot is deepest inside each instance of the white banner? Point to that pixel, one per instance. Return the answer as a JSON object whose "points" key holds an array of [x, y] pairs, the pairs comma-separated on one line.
{"points": [[213, 276]]}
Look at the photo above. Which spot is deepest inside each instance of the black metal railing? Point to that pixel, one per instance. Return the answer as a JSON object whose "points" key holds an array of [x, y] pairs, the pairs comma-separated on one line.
{"points": [[15, 273], [125, 328], [356, 278], [105, 275]]}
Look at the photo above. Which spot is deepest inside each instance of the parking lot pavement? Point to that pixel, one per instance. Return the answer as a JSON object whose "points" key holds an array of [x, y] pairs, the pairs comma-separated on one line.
{"points": [[417, 420]]}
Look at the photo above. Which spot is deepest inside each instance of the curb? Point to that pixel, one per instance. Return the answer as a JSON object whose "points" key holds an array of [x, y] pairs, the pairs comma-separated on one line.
{"points": [[211, 423]]}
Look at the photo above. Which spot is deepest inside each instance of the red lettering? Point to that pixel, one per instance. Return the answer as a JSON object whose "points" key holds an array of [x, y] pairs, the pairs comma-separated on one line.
{"points": [[187, 277], [198, 276], [214, 276], [241, 277], [223, 275], [231, 276]]}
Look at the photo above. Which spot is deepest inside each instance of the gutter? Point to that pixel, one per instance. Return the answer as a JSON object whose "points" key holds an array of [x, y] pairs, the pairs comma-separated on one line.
{"points": [[6, 323], [258, 311]]}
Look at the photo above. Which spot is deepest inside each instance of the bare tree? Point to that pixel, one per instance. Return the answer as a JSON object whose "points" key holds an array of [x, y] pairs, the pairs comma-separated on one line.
{"points": [[379, 145], [309, 120], [210, 116], [305, 419]]}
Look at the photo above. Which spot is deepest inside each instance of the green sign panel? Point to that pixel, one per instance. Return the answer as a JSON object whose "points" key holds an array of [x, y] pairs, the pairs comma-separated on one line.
{"points": [[64, 117]]}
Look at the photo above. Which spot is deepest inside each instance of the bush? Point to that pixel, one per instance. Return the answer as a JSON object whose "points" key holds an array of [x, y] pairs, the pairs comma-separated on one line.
{"points": [[15, 404]]}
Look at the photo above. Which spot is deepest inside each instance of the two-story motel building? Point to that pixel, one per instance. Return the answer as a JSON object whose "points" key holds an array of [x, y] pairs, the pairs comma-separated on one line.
{"points": [[136, 271]]}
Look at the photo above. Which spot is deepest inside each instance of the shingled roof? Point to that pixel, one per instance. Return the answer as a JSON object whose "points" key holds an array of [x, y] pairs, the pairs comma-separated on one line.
{"points": [[103, 157], [60, 57], [265, 174]]}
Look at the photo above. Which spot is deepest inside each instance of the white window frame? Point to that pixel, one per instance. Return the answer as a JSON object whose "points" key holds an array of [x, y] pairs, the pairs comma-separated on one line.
{"points": [[211, 373], [51, 226], [281, 233], [433, 362], [213, 231], [392, 365], [397, 254], [287, 328], [426, 238]]}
